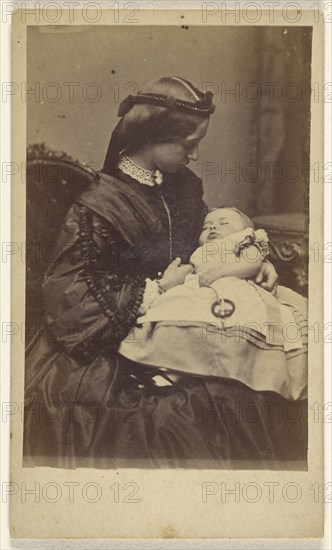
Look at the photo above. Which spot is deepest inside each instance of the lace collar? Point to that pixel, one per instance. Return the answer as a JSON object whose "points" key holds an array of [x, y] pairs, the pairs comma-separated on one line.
{"points": [[142, 175]]}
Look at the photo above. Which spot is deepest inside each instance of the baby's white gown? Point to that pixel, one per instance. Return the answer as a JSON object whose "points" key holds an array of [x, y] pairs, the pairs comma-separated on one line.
{"points": [[263, 343]]}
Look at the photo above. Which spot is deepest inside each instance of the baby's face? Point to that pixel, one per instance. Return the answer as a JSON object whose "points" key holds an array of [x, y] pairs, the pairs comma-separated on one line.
{"points": [[220, 223]]}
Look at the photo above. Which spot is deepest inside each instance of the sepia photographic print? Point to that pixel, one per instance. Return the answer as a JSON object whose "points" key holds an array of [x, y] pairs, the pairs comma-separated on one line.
{"points": [[168, 210]]}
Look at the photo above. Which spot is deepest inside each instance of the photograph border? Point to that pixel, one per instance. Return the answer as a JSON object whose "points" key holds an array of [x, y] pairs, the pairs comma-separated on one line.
{"points": [[162, 486]]}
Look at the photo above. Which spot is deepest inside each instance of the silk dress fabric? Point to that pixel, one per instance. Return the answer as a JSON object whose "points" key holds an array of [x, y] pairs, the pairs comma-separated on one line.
{"points": [[87, 406]]}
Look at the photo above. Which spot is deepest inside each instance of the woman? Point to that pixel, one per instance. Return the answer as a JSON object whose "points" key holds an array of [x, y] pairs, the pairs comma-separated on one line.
{"points": [[85, 405]]}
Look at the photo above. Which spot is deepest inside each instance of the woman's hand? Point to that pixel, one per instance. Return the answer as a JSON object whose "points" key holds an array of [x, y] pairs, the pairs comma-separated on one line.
{"points": [[267, 277], [175, 274]]}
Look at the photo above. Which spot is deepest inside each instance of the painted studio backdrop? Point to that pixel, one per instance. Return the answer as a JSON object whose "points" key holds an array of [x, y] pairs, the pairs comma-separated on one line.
{"points": [[256, 153]]}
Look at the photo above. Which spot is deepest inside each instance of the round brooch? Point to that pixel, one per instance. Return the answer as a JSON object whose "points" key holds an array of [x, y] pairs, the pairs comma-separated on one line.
{"points": [[223, 308]]}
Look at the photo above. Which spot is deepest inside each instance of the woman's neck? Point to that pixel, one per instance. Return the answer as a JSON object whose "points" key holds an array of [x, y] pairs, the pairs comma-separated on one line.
{"points": [[143, 159]]}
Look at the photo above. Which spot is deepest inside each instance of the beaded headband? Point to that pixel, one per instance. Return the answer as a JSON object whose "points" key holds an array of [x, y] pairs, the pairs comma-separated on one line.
{"points": [[202, 107]]}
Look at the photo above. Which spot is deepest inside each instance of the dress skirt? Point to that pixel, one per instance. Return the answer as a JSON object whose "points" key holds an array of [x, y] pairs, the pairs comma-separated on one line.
{"points": [[110, 413]]}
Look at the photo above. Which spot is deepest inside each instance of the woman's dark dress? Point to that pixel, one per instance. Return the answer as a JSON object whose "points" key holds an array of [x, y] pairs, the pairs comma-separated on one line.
{"points": [[87, 406]]}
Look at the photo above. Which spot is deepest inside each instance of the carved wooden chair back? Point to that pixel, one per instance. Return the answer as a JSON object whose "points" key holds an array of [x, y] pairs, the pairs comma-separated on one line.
{"points": [[53, 183]]}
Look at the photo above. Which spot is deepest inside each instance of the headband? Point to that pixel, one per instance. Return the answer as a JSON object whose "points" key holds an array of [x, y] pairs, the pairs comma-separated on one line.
{"points": [[202, 107]]}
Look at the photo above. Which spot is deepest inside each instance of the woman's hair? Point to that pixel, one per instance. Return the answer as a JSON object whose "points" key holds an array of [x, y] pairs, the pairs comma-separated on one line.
{"points": [[247, 222], [150, 124]]}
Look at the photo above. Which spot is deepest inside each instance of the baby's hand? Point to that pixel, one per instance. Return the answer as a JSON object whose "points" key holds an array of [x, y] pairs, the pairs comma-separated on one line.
{"points": [[208, 277]]}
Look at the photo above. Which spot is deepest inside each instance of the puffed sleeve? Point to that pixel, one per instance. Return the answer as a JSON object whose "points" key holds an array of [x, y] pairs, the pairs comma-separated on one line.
{"points": [[91, 298]]}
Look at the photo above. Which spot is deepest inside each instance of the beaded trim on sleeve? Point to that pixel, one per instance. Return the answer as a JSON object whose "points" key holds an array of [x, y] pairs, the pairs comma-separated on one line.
{"points": [[102, 284], [90, 251]]}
